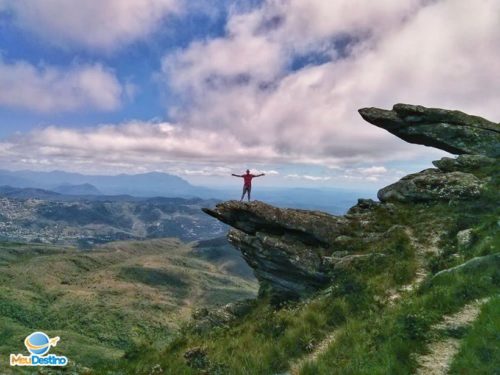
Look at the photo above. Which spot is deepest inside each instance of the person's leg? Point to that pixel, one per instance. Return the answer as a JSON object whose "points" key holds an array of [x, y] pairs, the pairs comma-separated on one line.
{"points": [[249, 189], [243, 194]]}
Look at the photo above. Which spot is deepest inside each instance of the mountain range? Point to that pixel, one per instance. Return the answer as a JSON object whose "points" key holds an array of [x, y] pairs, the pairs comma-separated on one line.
{"points": [[157, 184], [142, 185]]}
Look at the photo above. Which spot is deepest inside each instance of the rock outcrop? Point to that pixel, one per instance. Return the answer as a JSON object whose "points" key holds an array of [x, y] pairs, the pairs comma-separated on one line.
{"points": [[295, 252], [452, 131], [464, 163], [285, 247], [475, 139], [432, 185]]}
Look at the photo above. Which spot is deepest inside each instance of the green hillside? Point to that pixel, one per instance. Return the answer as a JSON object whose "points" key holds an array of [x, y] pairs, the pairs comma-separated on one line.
{"points": [[381, 317], [109, 300]]}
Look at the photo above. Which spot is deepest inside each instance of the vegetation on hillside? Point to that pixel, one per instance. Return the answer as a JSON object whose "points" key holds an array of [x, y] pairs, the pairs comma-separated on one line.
{"points": [[109, 300], [382, 323]]}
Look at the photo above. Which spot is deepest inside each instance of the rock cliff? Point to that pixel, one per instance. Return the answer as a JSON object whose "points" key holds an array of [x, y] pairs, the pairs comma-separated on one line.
{"points": [[295, 252], [286, 248], [452, 131]]}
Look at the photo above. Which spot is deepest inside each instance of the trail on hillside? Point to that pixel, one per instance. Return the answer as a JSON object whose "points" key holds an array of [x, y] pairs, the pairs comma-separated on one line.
{"points": [[421, 252], [441, 352], [311, 357]]}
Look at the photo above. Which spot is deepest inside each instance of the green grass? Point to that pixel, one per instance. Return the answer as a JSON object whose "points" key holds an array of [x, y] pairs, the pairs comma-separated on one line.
{"points": [[106, 301], [262, 344], [383, 341], [372, 340], [374, 337], [156, 278], [480, 349], [135, 293]]}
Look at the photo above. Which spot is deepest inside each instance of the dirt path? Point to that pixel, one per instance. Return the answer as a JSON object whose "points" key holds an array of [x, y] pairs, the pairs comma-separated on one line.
{"points": [[421, 253], [318, 350], [441, 352]]}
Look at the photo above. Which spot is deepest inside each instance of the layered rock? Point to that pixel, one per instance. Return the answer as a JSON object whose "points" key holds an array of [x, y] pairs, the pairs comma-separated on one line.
{"points": [[285, 247], [432, 185], [475, 139], [452, 131], [295, 252], [464, 163]]}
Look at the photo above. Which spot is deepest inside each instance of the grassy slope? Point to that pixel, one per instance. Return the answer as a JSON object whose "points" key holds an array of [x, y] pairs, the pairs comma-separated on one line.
{"points": [[375, 337], [480, 351], [106, 301], [386, 342]]}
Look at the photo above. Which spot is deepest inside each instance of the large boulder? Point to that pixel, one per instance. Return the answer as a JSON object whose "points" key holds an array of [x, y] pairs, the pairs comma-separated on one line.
{"points": [[287, 248], [452, 131], [288, 267], [432, 185], [464, 163], [310, 227], [482, 266]]}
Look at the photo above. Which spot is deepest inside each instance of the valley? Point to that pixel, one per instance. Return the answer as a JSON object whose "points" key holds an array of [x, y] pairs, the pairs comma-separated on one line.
{"points": [[84, 221], [115, 297]]}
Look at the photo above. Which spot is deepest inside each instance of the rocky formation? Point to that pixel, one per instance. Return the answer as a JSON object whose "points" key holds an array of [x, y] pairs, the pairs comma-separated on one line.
{"points": [[452, 131], [295, 252], [464, 163], [476, 140], [432, 185], [285, 247], [478, 263]]}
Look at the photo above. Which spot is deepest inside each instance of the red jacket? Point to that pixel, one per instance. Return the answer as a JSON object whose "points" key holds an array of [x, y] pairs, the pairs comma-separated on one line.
{"points": [[247, 180]]}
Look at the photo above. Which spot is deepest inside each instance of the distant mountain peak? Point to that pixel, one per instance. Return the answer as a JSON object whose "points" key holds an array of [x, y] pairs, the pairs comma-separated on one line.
{"points": [[79, 189]]}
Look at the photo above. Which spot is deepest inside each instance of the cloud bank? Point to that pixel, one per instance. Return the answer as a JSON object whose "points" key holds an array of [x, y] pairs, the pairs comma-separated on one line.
{"points": [[46, 89], [94, 24], [444, 53], [284, 82]]}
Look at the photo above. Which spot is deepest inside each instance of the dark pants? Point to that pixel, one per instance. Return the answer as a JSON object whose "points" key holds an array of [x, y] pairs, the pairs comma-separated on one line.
{"points": [[246, 190]]}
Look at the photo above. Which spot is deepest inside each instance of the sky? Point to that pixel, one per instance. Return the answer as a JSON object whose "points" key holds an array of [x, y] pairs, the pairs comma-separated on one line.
{"points": [[203, 89]]}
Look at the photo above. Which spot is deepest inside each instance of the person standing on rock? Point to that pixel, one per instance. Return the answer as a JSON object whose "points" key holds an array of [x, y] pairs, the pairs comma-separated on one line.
{"points": [[247, 182]]}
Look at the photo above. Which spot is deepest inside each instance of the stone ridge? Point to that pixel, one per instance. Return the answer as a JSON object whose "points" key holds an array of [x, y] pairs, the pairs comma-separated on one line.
{"points": [[296, 252], [312, 227], [287, 248], [432, 185], [452, 131]]}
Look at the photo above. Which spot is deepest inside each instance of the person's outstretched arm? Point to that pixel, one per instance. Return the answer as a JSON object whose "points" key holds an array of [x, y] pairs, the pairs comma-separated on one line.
{"points": [[258, 175], [236, 175]]}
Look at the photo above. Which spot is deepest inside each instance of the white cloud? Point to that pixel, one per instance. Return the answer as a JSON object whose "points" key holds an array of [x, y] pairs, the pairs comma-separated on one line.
{"points": [[302, 25], [146, 144], [105, 25], [375, 170], [372, 174], [270, 172], [308, 177], [46, 88], [212, 64], [204, 171], [243, 104], [216, 171], [442, 53]]}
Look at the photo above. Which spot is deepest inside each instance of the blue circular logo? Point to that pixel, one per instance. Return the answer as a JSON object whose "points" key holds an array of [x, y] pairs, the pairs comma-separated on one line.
{"points": [[37, 343]]}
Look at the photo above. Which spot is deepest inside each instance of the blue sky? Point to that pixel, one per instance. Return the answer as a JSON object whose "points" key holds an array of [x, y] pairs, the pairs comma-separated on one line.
{"points": [[137, 64], [203, 89]]}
